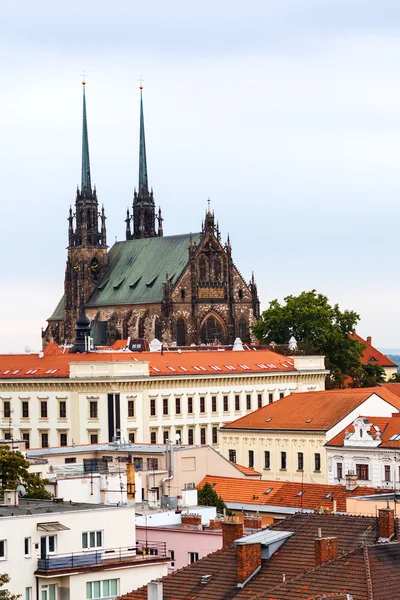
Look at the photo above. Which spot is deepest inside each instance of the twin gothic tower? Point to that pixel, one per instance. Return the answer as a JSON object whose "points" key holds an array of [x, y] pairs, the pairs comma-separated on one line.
{"points": [[182, 289]]}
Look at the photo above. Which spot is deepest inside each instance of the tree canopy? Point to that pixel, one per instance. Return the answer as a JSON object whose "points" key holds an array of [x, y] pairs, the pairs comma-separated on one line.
{"points": [[4, 593], [14, 471], [207, 496], [319, 328]]}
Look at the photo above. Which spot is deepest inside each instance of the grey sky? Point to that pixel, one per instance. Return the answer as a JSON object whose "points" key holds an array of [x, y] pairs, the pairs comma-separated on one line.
{"points": [[285, 112]]}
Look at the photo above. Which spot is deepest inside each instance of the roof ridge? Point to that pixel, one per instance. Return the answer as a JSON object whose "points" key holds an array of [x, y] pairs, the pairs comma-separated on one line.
{"points": [[368, 573]]}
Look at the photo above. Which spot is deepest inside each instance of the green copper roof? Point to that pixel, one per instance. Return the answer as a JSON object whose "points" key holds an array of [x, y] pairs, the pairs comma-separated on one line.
{"points": [[86, 183], [58, 314], [143, 183], [137, 270]]}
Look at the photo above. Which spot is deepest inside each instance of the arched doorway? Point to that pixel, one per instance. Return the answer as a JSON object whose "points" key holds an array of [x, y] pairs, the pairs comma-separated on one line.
{"points": [[180, 332], [213, 330]]}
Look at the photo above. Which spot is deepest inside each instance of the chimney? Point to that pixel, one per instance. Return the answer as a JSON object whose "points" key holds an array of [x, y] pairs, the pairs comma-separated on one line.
{"points": [[130, 480], [351, 481], [11, 498], [326, 548], [386, 523], [369, 340], [252, 522], [231, 531], [155, 590], [248, 562]]}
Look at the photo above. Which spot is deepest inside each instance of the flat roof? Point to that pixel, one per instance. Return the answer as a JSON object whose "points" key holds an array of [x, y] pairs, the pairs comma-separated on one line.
{"points": [[111, 447], [47, 507]]}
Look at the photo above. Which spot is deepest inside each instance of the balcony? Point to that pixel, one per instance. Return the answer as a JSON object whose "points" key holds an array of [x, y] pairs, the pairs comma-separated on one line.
{"points": [[100, 559]]}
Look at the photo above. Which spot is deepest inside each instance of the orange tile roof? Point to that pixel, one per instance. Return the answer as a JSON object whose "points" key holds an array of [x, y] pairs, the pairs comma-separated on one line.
{"points": [[310, 411], [372, 355], [246, 470], [392, 387], [55, 362], [283, 493], [388, 427]]}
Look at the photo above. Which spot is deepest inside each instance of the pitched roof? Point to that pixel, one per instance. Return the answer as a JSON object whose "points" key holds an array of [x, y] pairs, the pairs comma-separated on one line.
{"points": [[310, 411], [55, 362], [392, 387], [283, 493], [295, 558], [246, 470], [371, 354], [388, 427]]}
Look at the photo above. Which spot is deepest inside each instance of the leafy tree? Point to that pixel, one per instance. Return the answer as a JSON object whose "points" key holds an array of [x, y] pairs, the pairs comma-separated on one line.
{"points": [[14, 471], [318, 327], [368, 375], [207, 496], [395, 378], [5, 594]]}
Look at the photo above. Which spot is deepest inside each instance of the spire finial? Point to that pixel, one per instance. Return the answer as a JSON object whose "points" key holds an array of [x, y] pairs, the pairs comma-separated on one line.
{"points": [[143, 183], [86, 182], [209, 205]]}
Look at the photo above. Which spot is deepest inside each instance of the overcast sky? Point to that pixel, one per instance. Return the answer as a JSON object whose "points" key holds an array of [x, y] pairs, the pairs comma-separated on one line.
{"points": [[286, 113]]}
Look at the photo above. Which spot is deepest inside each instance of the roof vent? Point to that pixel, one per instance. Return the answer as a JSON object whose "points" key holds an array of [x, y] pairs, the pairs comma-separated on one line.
{"points": [[308, 420], [268, 420], [238, 344], [205, 579]]}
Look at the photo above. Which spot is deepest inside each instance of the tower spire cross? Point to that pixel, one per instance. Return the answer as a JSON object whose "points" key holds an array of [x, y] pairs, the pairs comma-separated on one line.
{"points": [[143, 181], [86, 181]]}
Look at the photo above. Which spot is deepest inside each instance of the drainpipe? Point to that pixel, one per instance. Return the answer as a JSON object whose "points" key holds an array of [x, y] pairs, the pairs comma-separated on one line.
{"points": [[170, 465]]}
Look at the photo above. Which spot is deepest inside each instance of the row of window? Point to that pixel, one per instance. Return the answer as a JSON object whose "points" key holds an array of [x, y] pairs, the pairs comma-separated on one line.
{"points": [[283, 467], [202, 404], [62, 438], [190, 435], [106, 588], [62, 409], [362, 472]]}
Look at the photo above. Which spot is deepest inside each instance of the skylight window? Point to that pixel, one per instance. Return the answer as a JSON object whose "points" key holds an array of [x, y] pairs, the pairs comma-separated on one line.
{"points": [[300, 493], [245, 367], [268, 420], [230, 367], [183, 368], [155, 369], [202, 368], [34, 371], [172, 369], [6, 372], [216, 368], [16, 371], [268, 491], [395, 437], [29, 372], [308, 420], [197, 368], [328, 495]]}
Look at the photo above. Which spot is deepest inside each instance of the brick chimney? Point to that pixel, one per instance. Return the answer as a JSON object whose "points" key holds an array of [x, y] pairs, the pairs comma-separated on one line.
{"points": [[351, 481], [252, 522], [248, 562], [231, 531], [369, 340], [386, 523], [326, 548]]}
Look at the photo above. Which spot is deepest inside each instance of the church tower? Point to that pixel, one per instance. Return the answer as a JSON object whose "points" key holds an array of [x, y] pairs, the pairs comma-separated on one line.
{"points": [[144, 211], [87, 246]]}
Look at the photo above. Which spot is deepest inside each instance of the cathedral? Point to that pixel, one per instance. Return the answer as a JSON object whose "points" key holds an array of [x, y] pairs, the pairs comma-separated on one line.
{"points": [[180, 289]]}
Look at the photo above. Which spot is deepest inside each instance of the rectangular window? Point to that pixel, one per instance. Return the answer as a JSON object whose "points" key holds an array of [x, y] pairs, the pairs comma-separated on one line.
{"points": [[63, 439], [25, 414], [259, 400], [92, 539], [339, 470], [178, 439], [300, 461], [48, 544], [27, 546], [43, 409], [3, 549], [177, 406], [283, 461], [251, 459], [202, 404], [70, 460], [28, 593], [317, 458], [131, 437], [93, 412], [152, 464], [281, 394], [152, 407], [62, 409], [193, 557], [190, 437], [6, 409], [165, 406], [215, 435], [7, 435], [387, 472], [237, 402], [270, 398], [131, 408], [202, 435], [214, 403], [362, 472], [26, 438], [45, 439], [232, 455], [190, 406], [226, 404], [107, 588], [267, 459], [94, 438], [166, 435], [172, 557], [49, 592], [153, 437], [248, 401]]}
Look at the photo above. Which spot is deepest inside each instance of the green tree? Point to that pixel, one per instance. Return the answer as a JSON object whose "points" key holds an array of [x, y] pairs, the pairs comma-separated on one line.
{"points": [[5, 594], [207, 496], [14, 471], [318, 327], [368, 375], [395, 378]]}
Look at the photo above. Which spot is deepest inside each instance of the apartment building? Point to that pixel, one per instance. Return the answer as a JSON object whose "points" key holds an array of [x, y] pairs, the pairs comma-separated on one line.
{"points": [[56, 399]]}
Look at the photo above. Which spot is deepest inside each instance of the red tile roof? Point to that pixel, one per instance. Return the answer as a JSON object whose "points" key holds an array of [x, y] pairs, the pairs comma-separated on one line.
{"points": [[371, 354], [392, 387], [283, 493], [246, 470], [388, 427], [55, 362], [310, 411]]}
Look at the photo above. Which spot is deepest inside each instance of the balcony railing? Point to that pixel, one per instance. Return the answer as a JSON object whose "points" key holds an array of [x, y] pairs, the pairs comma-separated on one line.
{"points": [[103, 557]]}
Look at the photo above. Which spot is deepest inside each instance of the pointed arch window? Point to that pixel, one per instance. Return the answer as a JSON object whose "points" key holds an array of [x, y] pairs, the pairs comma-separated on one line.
{"points": [[157, 329], [213, 330], [218, 269], [180, 332], [243, 330], [203, 265], [141, 328]]}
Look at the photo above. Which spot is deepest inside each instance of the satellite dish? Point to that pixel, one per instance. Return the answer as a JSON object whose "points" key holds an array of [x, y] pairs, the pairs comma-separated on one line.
{"points": [[177, 438], [21, 490]]}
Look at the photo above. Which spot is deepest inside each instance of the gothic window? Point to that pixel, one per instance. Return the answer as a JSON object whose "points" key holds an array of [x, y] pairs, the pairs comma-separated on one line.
{"points": [[88, 220], [149, 223], [240, 294], [242, 330], [212, 331], [180, 332], [218, 269], [203, 263], [157, 329], [183, 294], [141, 328]]}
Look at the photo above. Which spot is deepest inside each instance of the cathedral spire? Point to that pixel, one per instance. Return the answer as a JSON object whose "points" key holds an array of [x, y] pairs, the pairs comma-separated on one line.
{"points": [[143, 183], [86, 183]]}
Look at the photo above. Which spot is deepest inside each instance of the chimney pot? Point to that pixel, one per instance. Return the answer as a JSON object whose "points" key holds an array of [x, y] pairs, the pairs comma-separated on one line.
{"points": [[351, 481], [369, 340]]}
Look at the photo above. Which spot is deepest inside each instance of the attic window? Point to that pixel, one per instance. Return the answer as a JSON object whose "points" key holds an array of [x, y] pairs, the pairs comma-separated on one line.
{"points": [[118, 285], [103, 285], [268, 491], [134, 284], [151, 282]]}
